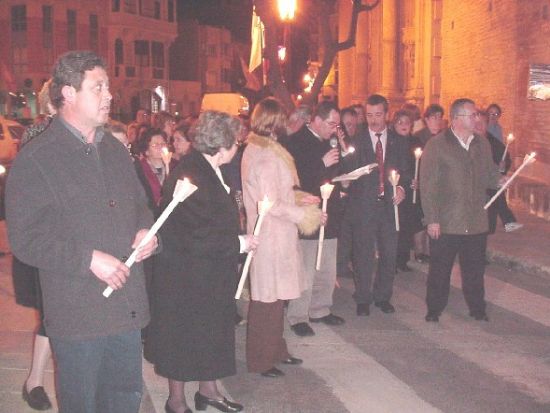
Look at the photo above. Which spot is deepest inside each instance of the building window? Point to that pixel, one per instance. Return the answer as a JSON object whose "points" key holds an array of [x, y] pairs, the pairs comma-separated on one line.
{"points": [[212, 52], [141, 51], [157, 50], [130, 6], [119, 52], [20, 59], [71, 29], [115, 5], [170, 10], [94, 33], [19, 18], [157, 10], [47, 27]]}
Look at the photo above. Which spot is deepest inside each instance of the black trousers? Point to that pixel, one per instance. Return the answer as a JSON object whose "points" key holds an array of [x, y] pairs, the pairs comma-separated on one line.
{"points": [[471, 255], [378, 234], [499, 207]]}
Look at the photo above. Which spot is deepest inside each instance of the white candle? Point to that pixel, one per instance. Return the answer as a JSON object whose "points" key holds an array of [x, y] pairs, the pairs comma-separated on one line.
{"points": [[326, 191], [394, 180], [528, 159], [417, 155], [263, 208], [166, 157], [183, 189]]}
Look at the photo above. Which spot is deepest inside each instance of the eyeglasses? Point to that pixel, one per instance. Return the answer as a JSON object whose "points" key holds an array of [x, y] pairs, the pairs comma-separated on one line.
{"points": [[470, 115], [494, 114], [158, 145]]}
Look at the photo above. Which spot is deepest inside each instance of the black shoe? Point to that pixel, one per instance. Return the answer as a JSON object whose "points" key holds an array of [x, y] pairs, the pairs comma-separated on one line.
{"points": [[479, 316], [363, 309], [404, 268], [432, 317], [302, 329], [273, 372], [385, 307], [292, 361], [224, 405], [329, 320], [168, 409], [36, 398]]}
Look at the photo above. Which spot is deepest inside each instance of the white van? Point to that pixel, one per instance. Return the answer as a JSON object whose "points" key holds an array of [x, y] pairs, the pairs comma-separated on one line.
{"points": [[233, 103], [10, 138]]}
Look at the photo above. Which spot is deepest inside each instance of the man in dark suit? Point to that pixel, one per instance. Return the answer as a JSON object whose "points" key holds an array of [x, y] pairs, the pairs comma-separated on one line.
{"points": [[371, 203]]}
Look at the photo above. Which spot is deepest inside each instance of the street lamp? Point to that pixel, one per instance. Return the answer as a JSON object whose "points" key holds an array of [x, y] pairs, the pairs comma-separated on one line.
{"points": [[287, 9]]}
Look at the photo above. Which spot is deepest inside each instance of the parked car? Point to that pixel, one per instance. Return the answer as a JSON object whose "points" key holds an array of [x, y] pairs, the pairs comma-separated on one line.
{"points": [[10, 138]]}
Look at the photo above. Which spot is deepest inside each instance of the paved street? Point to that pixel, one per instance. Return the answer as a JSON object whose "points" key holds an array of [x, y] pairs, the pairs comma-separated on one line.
{"points": [[383, 363]]}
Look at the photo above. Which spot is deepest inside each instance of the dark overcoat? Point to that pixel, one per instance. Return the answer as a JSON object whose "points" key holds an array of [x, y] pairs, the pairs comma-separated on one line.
{"points": [[192, 334]]}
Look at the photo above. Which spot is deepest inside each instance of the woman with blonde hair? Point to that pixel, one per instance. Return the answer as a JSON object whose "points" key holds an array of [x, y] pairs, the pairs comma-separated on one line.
{"points": [[276, 274]]}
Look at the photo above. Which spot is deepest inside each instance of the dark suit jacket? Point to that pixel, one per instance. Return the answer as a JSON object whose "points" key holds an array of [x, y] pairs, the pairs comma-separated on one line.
{"points": [[363, 192], [308, 151]]}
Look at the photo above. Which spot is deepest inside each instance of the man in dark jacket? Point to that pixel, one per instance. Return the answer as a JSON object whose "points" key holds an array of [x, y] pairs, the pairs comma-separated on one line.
{"points": [[500, 206], [456, 170], [371, 206], [75, 209], [316, 163]]}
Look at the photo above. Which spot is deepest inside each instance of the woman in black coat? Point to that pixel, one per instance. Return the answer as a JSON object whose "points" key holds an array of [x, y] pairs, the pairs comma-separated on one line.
{"points": [[192, 335]]}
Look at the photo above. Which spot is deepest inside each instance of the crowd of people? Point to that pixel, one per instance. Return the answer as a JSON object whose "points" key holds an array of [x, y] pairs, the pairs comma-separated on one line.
{"points": [[84, 190]]}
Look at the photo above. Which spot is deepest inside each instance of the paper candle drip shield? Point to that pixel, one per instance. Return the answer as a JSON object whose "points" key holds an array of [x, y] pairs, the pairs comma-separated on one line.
{"points": [[527, 160], [184, 188], [394, 180], [263, 208]]}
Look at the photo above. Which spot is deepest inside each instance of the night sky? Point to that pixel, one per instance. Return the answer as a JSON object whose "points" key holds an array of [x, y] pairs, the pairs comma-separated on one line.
{"points": [[236, 15]]}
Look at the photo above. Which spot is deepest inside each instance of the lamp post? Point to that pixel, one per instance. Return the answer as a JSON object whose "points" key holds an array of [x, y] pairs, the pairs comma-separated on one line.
{"points": [[287, 10]]}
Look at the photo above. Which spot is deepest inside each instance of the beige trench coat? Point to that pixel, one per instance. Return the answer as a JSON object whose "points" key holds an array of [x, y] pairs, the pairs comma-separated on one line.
{"points": [[276, 269]]}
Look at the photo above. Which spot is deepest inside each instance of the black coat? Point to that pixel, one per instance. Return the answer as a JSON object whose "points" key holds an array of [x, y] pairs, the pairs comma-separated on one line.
{"points": [[308, 151], [192, 334]]}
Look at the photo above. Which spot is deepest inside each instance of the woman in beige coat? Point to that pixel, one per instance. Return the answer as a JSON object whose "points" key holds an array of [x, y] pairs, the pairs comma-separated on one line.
{"points": [[276, 273]]}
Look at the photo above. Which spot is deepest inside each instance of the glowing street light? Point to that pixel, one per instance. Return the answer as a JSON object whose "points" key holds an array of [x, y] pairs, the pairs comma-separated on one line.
{"points": [[287, 9]]}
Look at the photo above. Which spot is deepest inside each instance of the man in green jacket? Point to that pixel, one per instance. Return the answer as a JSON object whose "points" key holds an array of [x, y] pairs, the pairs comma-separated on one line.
{"points": [[456, 170]]}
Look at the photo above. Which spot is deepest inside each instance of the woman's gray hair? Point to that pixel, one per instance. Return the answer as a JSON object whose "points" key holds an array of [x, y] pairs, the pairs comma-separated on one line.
{"points": [[214, 130]]}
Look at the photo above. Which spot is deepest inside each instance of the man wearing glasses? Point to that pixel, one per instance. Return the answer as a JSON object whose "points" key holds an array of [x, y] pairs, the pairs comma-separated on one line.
{"points": [[456, 170], [317, 163]]}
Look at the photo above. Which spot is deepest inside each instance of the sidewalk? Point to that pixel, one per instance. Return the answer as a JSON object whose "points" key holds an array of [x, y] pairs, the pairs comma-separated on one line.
{"points": [[527, 249]]}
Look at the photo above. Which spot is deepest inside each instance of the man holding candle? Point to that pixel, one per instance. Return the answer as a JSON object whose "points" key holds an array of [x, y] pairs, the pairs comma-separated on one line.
{"points": [[75, 208], [317, 164], [502, 159], [456, 170], [371, 204]]}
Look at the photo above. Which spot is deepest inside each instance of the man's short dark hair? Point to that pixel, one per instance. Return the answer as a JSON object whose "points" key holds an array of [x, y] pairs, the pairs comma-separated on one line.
{"points": [[494, 106], [458, 105], [70, 70], [348, 111], [433, 109], [374, 100], [323, 109]]}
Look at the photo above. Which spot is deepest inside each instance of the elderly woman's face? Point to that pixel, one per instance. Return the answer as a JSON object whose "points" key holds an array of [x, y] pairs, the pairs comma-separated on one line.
{"points": [[403, 125], [154, 151]]}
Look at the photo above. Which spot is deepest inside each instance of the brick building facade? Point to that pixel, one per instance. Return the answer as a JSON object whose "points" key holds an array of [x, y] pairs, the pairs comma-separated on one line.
{"points": [[426, 51]]}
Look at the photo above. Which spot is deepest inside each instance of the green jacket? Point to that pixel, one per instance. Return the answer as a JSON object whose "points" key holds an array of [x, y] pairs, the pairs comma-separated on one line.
{"points": [[454, 181]]}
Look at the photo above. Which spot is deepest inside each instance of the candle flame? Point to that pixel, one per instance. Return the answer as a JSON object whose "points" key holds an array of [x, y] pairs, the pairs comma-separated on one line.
{"points": [[510, 137], [165, 150], [418, 152], [351, 149]]}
